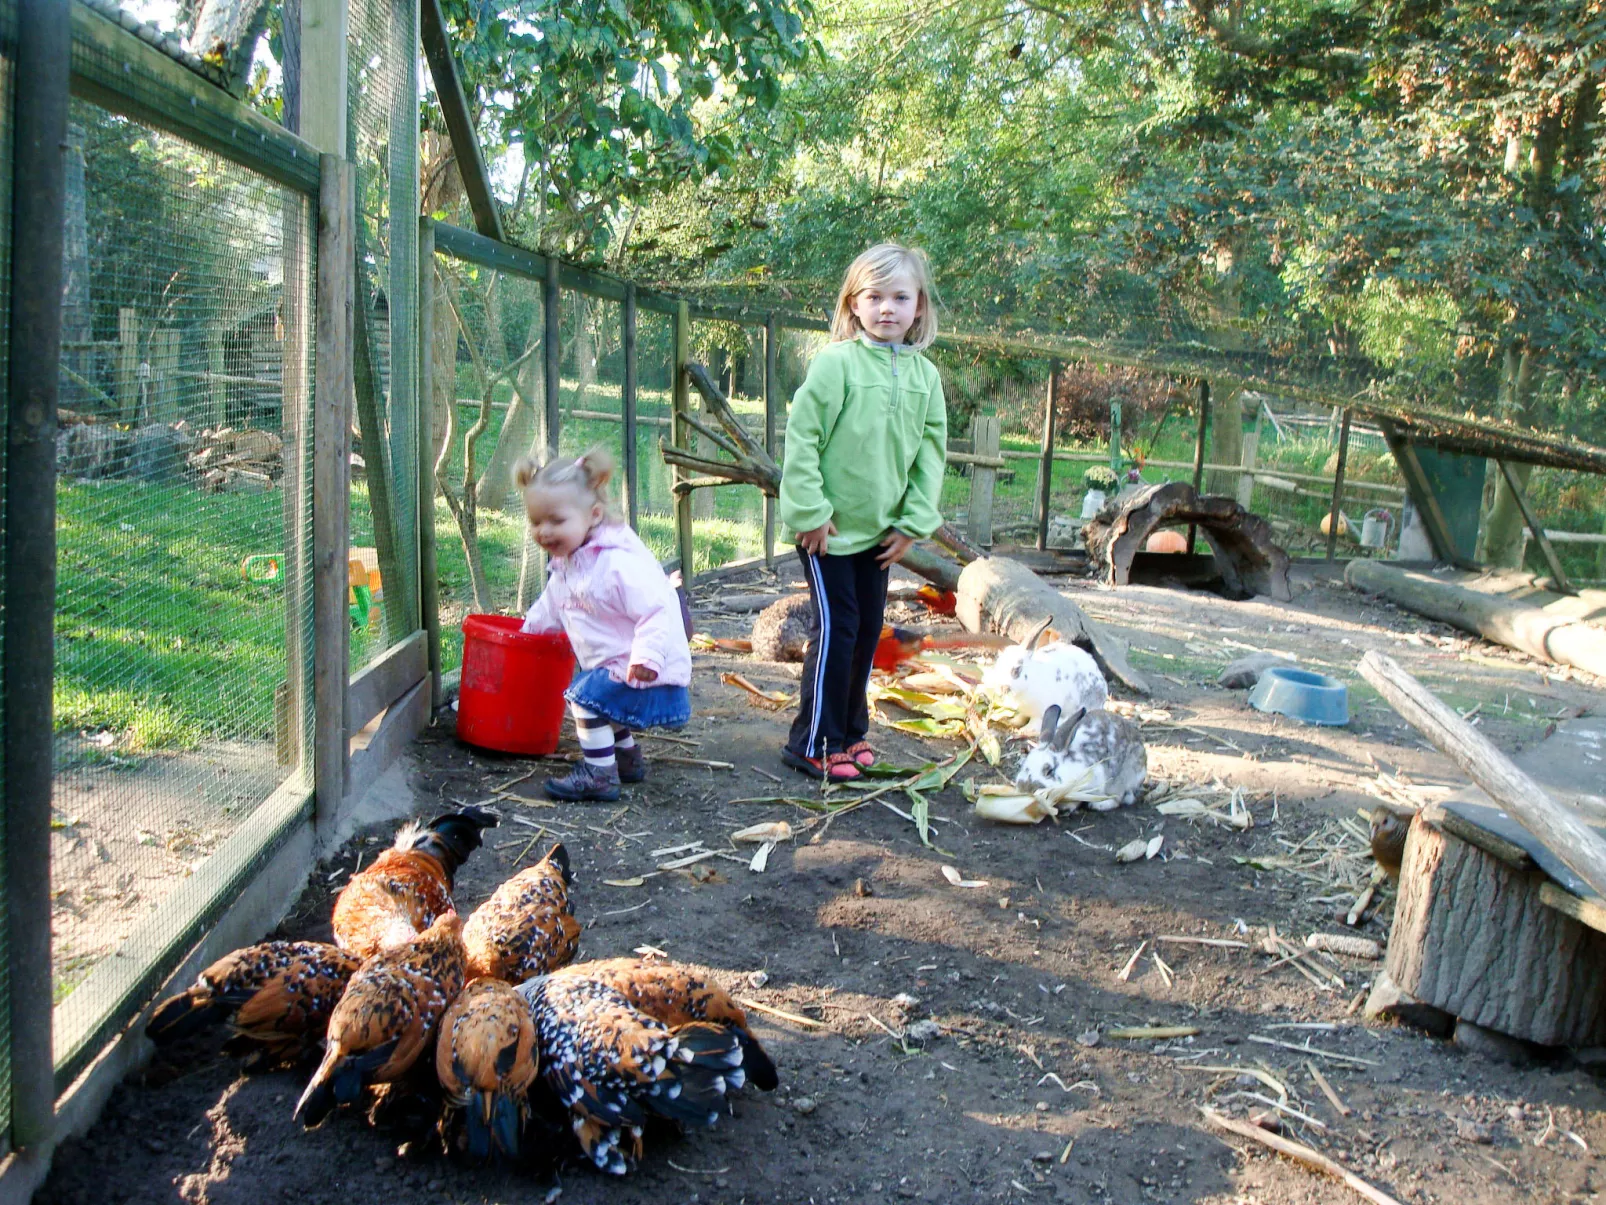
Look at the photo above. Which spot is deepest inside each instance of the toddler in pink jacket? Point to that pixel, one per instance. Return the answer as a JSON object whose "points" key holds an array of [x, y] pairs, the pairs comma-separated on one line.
{"points": [[609, 595]]}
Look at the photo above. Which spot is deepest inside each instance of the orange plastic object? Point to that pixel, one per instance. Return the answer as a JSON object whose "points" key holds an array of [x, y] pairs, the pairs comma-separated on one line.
{"points": [[511, 697]]}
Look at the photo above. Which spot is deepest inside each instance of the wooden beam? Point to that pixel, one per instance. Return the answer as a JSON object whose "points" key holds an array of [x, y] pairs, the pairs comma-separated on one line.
{"points": [[1045, 464], [1422, 496], [772, 404], [428, 584], [376, 449], [628, 405], [400, 668], [1568, 837], [1199, 452], [331, 482], [459, 124], [552, 360], [1333, 519], [680, 436], [324, 99], [1546, 549]]}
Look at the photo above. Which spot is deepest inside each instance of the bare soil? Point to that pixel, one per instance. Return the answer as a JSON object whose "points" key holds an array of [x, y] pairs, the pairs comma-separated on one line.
{"points": [[1015, 1098]]}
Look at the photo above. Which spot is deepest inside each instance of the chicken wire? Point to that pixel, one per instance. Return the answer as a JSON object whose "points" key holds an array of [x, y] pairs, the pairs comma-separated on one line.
{"points": [[8, 40], [183, 616], [383, 144]]}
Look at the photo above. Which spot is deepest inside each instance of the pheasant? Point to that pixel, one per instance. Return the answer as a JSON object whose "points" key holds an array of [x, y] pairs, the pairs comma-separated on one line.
{"points": [[525, 928], [485, 1058]]}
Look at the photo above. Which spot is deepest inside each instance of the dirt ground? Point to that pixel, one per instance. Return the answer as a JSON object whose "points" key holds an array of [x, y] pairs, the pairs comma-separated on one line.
{"points": [[1022, 1093]]}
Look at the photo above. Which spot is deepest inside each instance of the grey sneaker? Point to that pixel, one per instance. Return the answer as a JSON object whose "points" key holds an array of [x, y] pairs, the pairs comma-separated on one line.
{"points": [[586, 781], [632, 765]]}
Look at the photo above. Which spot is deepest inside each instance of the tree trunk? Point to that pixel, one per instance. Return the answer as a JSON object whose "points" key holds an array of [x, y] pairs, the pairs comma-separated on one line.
{"points": [[1226, 440], [1502, 529]]}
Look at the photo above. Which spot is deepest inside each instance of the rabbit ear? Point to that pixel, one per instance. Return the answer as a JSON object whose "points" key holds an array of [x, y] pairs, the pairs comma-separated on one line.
{"points": [[1045, 732], [1037, 633], [1062, 738]]}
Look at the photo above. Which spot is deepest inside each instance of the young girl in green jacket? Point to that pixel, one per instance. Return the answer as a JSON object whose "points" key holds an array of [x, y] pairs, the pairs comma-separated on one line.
{"points": [[866, 442]]}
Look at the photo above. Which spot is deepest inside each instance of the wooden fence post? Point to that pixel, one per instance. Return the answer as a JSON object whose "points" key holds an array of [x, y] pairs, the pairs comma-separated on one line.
{"points": [[771, 404], [1333, 519], [429, 585], [1199, 452], [984, 436], [127, 377], [331, 484], [679, 435], [1045, 470], [628, 405], [1115, 440], [1246, 479]]}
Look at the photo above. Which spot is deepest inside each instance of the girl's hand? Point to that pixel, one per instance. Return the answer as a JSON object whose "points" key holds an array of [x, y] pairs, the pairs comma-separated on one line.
{"points": [[896, 544], [640, 673], [813, 542]]}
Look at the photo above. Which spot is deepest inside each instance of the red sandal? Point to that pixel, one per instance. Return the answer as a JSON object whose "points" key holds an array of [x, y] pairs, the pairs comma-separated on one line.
{"points": [[862, 754], [834, 767]]}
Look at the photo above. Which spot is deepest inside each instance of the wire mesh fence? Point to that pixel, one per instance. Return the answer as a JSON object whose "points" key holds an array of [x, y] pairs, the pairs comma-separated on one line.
{"points": [[8, 42], [183, 615]]}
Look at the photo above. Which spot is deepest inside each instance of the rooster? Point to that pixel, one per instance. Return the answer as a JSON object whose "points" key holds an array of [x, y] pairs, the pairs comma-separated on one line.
{"points": [[486, 1062], [408, 885], [612, 1063], [386, 1017], [276, 998], [677, 995], [525, 928]]}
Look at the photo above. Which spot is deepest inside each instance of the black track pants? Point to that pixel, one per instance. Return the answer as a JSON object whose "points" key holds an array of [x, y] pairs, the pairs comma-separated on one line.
{"points": [[850, 597]]}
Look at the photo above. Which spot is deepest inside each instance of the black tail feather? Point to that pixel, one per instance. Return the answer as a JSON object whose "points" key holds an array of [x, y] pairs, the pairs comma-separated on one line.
{"points": [[760, 1068], [184, 1015], [506, 1122], [342, 1085], [560, 859]]}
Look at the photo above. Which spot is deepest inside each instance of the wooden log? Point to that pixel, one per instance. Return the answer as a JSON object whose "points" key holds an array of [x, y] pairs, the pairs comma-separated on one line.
{"points": [[1015, 601], [1241, 542], [1506, 621], [1574, 842], [1473, 936]]}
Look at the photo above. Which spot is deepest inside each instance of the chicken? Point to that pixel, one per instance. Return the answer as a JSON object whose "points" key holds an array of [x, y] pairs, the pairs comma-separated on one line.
{"points": [[1389, 829], [387, 1017], [677, 995], [485, 1058], [408, 885], [276, 998], [612, 1064], [525, 928]]}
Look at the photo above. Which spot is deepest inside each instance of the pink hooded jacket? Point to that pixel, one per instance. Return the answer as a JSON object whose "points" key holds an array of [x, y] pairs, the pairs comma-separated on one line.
{"points": [[612, 599]]}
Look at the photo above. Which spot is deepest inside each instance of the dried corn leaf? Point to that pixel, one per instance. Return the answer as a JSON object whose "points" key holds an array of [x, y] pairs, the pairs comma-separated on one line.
{"points": [[1014, 809], [761, 859], [929, 727], [635, 882], [1154, 846], [1132, 850]]}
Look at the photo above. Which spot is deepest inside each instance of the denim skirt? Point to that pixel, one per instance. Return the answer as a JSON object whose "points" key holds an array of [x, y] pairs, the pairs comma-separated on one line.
{"points": [[634, 707]]}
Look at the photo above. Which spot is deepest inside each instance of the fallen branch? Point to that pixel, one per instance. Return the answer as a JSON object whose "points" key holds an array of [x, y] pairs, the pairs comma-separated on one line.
{"points": [[1300, 1152], [785, 1016], [1327, 1089]]}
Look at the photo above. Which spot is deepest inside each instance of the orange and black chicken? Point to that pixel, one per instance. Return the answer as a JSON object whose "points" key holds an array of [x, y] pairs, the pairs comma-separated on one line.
{"points": [[486, 1060], [526, 927]]}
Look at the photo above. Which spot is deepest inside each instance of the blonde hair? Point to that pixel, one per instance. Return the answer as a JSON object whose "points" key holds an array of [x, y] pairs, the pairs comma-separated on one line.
{"points": [[586, 476], [876, 267]]}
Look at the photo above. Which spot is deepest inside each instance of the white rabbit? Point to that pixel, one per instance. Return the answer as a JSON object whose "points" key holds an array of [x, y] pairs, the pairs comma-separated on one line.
{"points": [[1098, 744], [1057, 675]]}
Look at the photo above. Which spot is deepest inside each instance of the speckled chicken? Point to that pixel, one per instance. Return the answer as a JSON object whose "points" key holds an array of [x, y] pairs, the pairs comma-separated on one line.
{"points": [[611, 1064], [485, 1058], [1389, 829], [525, 928], [276, 997], [408, 885], [677, 995], [387, 1017]]}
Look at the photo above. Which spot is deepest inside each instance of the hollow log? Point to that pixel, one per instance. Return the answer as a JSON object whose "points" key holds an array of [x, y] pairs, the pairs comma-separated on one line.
{"points": [[1014, 600], [1241, 542], [1515, 624], [1473, 937]]}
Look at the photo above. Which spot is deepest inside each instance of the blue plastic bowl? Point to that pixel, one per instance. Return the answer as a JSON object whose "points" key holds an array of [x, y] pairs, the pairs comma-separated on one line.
{"points": [[1308, 697]]}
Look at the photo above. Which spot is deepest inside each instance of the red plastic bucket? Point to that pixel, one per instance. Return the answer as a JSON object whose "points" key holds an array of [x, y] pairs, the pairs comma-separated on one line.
{"points": [[511, 696]]}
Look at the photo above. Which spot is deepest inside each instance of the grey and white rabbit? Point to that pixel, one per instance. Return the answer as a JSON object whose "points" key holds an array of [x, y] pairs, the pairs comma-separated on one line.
{"points": [[1057, 675], [1105, 747]]}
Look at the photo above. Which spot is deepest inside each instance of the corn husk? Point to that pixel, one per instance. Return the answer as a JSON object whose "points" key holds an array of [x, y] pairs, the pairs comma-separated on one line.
{"points": [[769, 831], [1134, 849], [958, 880], [1014, 808]]}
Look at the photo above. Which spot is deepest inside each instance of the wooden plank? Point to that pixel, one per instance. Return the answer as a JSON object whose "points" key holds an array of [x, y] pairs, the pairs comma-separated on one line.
{"points": [[552, 360], [459, 122], [396, 671], [428, 583], [628, 405], [324, 100], [331, 482], [680, 436], [1520, 496], [295, 427], [772, 405], [376, 449], [1585, 912], [1334, 510], [1199, 453], [126, 382], [406, 718], [985, 432], [1572, 841], [1045, 464]]}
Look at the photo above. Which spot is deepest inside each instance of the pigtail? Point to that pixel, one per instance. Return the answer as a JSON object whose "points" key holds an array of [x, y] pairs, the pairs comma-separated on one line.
{"points": [[596, 465], [524, 472]]}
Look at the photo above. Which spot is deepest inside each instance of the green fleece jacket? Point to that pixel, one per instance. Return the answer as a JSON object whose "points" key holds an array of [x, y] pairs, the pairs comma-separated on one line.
{"points": [[866, 443]]}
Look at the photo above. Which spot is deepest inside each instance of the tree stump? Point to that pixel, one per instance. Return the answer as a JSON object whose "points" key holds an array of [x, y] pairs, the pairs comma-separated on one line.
{"points": [[1242, 543], [1474, 936]]}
